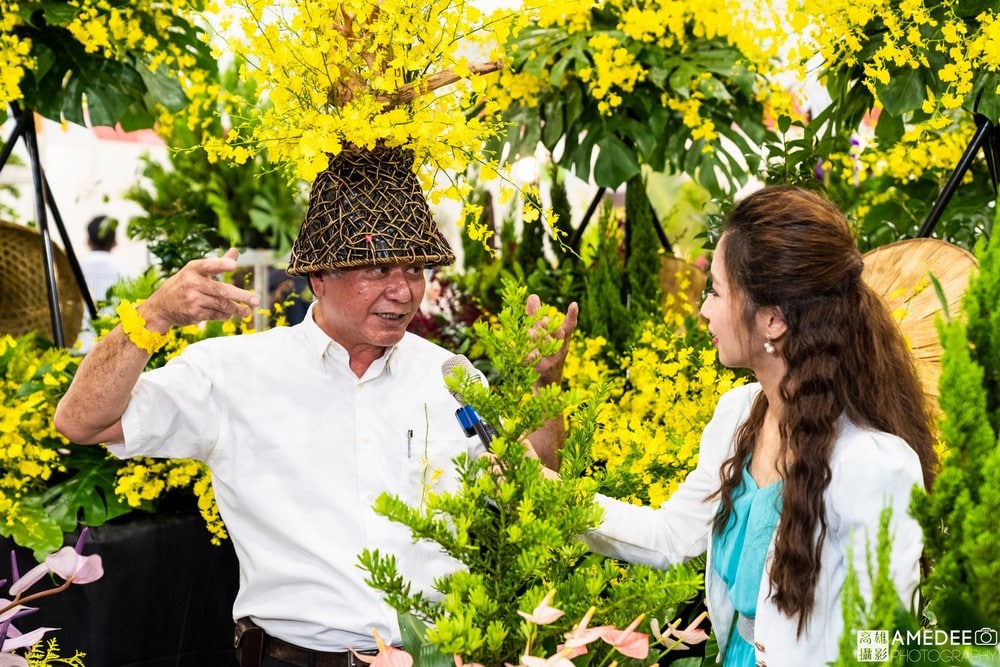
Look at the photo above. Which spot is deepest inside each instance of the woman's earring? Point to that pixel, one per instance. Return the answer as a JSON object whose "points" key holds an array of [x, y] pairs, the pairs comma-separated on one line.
{"points": [[768, 346]]}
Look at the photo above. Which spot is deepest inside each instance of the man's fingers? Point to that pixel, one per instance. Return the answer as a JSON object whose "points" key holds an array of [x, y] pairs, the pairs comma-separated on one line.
{"points": [[223, 301], [213, 266], [533, 304], [224, 294], [569, 322]]}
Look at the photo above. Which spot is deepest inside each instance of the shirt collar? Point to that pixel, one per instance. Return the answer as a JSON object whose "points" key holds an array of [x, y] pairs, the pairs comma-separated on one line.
{"points": [[326, 348]]}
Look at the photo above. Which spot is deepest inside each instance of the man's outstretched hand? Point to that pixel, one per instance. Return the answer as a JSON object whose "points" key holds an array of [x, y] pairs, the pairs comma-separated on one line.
{"points": [[550, 368], [192, 295]]}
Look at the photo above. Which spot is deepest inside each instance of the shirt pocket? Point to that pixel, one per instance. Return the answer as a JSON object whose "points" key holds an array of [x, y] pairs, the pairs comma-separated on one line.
{"points": [[431, 466]]}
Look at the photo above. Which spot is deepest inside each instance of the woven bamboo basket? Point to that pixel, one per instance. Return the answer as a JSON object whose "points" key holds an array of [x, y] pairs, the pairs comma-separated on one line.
{"points": [[24, 300], [901, 273], [367, 209]]}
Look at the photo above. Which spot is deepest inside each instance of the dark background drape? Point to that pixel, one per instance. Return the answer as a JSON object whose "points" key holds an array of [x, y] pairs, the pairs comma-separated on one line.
{"points": [[165, 599]]}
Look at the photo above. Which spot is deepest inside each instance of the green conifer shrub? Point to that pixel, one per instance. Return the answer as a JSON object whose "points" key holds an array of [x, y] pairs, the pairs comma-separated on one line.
{"points": [[642, 264], [959, 516], [515, 532]]}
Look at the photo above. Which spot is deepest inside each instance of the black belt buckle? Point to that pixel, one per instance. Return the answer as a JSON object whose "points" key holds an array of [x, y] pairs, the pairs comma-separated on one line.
{"points": [[355, 661]]}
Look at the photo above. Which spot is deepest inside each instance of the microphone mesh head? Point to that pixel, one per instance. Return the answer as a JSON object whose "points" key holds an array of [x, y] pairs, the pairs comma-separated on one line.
{"points": [[460, 361]]}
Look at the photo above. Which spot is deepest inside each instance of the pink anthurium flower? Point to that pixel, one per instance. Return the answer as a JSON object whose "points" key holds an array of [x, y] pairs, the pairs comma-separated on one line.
{"points": [[11, 660], [461, 663], [387, 656], [581, 635], [73, 566], [17, 640], [30, 578], [543, 614], [681, 639], [578, 638], [560, 658], [628, 642], [10, 612], [69, 563]]}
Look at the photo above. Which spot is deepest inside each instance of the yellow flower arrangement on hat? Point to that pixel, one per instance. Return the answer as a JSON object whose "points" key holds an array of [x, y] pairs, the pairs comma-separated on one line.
{"points": [[338, 73], [372, 102]]}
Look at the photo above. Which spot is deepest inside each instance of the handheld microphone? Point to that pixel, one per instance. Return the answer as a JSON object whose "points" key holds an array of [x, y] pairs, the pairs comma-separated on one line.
{"points": [[467, 416]]}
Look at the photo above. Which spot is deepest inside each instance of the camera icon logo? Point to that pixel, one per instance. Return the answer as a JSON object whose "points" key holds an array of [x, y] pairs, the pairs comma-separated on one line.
{"points": [[986, 637]]}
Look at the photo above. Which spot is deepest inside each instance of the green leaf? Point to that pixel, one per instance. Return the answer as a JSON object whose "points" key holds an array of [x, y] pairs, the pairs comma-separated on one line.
{"points": [[32, 528], [985, 99], [572, 97], [714, 89], [57, 13], [640, 133], [578, 154], [681, 77], [137, 117], [939, 291], [718, 60], [552, 123], [425, 654], [615, 164], [573, 56], [110, 89], [88, 497], [971, 8], [657, 76], [889, 129], [904, 92], [164, 88], [747, 152]]}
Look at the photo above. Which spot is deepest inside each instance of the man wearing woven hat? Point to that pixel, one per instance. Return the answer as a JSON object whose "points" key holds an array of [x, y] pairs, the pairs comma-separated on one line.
{"points": [[304, 426]]}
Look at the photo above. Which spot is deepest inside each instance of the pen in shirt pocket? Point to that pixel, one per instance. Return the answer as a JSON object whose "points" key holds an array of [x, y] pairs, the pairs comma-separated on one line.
{"points": [[409, 443]]}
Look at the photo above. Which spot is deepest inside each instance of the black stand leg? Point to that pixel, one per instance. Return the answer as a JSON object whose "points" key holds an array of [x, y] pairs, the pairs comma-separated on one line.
{"points": [[44, 201], [574, 241], [987, 138]]}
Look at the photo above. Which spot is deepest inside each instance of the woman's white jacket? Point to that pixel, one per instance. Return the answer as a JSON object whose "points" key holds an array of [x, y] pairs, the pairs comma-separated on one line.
{"points": [[871, 470]]}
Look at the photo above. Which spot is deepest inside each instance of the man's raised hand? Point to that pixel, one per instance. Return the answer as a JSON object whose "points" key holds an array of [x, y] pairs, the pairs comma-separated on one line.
{"points": [[550, 367], [192, 295]]}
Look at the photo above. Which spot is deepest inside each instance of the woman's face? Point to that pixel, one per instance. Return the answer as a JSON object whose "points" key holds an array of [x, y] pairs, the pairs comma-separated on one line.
{"points": [[723, 309]]}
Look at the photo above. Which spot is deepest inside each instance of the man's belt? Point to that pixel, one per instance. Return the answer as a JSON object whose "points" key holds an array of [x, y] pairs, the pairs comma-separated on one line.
{"points": [[252, 643]]}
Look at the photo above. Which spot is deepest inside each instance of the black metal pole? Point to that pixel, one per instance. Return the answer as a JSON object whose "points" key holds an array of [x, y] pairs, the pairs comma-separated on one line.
{"points": [[24, 118], [991, 151], [574, 241], [983, 129], [74, 263], [48, 256], [20, 120]]}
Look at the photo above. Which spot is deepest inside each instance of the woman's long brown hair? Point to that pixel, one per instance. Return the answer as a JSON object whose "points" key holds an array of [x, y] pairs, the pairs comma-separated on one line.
{"points": [[845, 356]]}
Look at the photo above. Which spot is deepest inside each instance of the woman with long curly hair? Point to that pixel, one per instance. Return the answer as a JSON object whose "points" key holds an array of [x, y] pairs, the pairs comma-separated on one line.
{"points": [[795, 468]]}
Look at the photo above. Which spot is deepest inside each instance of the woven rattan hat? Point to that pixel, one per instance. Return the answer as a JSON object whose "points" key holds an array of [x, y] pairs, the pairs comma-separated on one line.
{"points": [[24, 297], [900, 273], [367, 209]]}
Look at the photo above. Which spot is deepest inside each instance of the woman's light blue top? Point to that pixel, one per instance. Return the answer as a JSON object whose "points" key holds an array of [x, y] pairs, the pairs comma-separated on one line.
{"points": [[740, 552]]}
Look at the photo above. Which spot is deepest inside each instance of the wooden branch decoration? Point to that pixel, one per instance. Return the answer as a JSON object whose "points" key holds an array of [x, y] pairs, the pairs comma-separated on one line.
{"points": [[411, 91]]}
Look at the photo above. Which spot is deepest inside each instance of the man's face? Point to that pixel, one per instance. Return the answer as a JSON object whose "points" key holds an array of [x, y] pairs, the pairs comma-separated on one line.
{"points": [[368, 306]]}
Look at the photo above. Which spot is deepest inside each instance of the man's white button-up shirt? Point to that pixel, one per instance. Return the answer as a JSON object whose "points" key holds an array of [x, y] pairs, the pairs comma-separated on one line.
{"points": [[299, 448]]}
